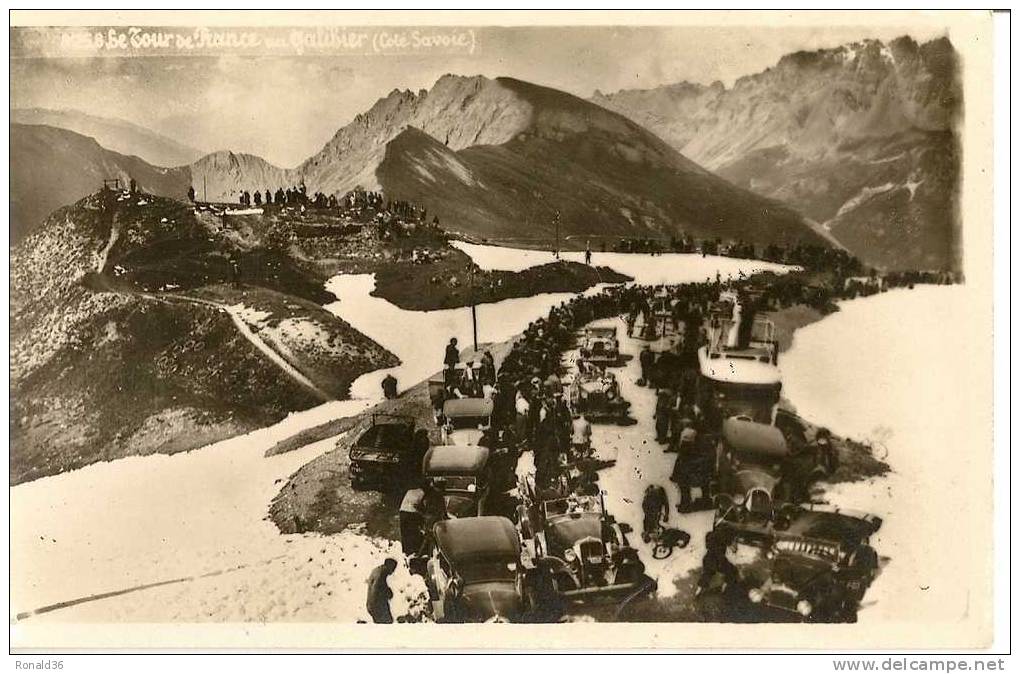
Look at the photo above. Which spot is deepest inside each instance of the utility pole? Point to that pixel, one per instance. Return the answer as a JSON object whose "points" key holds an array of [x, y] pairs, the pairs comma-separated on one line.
{"points": [[205, 190], [474, 313], [556, 221]]}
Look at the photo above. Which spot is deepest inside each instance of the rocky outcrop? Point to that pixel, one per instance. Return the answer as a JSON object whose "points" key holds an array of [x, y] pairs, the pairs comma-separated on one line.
{"points": [[223, 176]]}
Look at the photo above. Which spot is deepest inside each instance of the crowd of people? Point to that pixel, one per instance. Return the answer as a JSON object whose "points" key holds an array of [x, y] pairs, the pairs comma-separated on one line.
{"points": [[532, 411]]}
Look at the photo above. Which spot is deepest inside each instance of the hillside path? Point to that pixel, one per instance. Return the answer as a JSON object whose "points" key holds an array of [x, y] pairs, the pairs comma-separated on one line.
{"points": [[253, 337], [242, 326]]}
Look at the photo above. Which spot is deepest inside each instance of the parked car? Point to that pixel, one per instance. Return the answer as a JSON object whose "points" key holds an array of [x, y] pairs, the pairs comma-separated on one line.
{"points": [[463, 412], [474, 573], [583, 550], [595, 393], [388, 454], [461, 475], [739, 373], [819, 562], [600, 346], [749, 467], [467, 381]]}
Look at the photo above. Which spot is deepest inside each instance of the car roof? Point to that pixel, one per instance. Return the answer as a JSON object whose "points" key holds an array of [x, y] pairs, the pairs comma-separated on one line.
{"points": [[751, 437], [829, 526], [455, 459], [467, 407], [475, 538], [739, 367]]}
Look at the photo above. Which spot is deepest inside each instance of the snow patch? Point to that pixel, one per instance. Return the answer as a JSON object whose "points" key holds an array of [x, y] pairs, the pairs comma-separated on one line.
{"points": [[862, 196], [903, 394], [643, 268]]}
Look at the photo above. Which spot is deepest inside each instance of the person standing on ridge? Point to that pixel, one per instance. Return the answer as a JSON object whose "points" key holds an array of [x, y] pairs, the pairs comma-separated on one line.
{"points": [[450, 360]]}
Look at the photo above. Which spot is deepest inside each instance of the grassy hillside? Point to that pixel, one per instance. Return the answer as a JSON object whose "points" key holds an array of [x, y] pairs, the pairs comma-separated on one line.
{"points": [[52, 167], [125, 313]]}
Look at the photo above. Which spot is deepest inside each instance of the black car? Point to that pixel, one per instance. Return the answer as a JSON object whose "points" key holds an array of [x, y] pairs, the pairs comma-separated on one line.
{"points": [[819, 562], [474, 572], [388, 455]]}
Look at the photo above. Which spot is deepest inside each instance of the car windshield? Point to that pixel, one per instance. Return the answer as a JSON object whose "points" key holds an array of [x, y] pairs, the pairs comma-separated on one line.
{"points": [[488, 570], [386, 436], [459, 483], [460, 505], [566, 530], [747, 400]]}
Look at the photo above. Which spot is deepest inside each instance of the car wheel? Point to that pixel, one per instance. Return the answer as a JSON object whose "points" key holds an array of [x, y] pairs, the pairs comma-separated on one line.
{"points": [[661, 551], [865, 563]]}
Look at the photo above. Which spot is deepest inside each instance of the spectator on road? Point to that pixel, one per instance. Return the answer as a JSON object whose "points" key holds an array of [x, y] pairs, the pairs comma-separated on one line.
{"points": [[379, 592]]}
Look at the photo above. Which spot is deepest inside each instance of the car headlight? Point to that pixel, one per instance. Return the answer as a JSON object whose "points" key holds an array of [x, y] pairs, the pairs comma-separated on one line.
{"points": [[804, 607], [569, 555], [755, 595]]}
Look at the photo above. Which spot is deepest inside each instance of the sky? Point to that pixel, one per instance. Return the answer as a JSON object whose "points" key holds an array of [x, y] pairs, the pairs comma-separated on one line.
{"points": [[283, 106]]}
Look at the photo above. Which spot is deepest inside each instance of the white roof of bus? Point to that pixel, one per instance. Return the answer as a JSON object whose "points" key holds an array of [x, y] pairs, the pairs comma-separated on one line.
{"points": [[738, 370]]}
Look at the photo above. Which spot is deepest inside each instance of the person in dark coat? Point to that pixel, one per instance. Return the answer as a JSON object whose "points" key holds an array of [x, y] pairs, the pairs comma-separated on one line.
{"points": [[715, 561], [488, 369], [663, 411], [389, 386], [647, 361], [655, 506], [450, 359], [684, 445], [379, 592]]}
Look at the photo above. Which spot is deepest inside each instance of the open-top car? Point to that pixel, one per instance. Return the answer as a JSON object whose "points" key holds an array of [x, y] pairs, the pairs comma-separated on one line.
{"points": [[600, 346], [595, 393], [818, 561], [580, 547], [461, 475], [474, 573], [388, 454], [462, 412]]}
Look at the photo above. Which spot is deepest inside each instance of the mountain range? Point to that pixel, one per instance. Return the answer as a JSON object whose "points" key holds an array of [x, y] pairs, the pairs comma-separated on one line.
{"points": [[854, 145], [53, 167], [113, 134], [495, 159], [860, 138]]}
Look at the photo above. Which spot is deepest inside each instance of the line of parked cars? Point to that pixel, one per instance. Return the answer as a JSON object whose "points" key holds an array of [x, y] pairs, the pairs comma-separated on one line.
{"points": [[806, 561]]}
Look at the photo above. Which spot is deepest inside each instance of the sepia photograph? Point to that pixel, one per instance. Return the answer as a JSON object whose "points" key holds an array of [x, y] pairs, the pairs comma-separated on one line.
{"points": [[605, 330]]}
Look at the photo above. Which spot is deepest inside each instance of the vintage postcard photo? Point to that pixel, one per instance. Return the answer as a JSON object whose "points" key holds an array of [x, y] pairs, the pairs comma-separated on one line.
{"points": [[611, 330]]}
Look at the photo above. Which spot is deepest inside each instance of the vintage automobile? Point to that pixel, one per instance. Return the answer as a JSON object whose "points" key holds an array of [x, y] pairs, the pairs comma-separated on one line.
{"points": [[463, 412], [470, 407], [468, 383], [595, 393], [580, 547], [818, 561], [461, 475], [739, 373], [388, 454], [749, 466], [474, 573], [600, 346]]}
